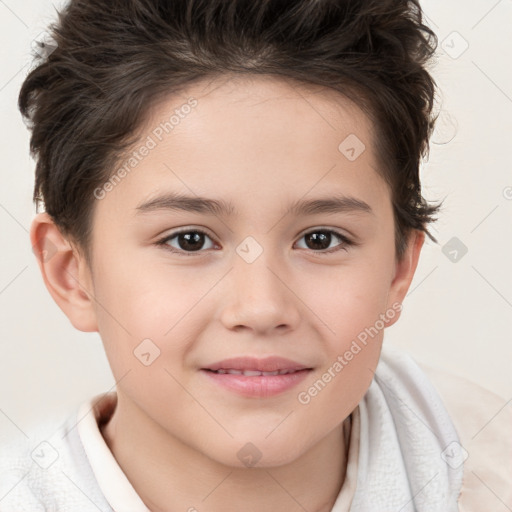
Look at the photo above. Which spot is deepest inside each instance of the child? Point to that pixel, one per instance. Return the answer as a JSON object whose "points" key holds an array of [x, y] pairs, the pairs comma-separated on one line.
{"points": [[284, 140]]}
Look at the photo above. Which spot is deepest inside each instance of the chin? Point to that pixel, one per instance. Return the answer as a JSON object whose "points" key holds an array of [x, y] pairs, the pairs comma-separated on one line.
{"points": [[258, 454]]}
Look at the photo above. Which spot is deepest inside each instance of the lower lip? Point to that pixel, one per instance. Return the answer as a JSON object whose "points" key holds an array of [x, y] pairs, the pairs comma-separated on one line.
{"points": [[259, 386]]}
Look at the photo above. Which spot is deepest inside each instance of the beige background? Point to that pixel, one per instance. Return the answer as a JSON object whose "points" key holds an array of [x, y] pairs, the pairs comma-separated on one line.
{"points": [[457, 316]]}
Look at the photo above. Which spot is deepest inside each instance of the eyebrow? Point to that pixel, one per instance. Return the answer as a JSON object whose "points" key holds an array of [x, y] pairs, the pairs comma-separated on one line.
{"points": [[301, 207]]}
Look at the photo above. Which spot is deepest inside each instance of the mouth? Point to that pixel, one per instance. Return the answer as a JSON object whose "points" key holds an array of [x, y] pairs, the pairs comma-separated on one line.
{"points": [[258, 378], [255, 373], [246, 364]]}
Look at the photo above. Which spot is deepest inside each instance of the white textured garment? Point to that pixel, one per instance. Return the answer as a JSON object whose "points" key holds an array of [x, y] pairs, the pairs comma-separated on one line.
{"points": [[395, 463], [405, 436]]}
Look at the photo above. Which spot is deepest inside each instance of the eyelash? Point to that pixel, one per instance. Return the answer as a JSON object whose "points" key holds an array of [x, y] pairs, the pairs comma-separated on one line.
{"points": [[346, 242]]}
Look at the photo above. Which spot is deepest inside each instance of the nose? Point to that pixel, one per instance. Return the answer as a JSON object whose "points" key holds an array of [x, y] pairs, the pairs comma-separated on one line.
{"points": [[260, 298]]}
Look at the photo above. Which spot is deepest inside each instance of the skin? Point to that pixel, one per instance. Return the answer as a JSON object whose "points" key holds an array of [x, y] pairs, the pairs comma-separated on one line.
{"points": [[260, 143]]}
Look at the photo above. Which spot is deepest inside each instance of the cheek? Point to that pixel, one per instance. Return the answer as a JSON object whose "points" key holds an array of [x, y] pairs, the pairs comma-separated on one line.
{"points": [[136, 303], [349, 299], [351, 304], [145, 322], [351, 356], [147, 298]]}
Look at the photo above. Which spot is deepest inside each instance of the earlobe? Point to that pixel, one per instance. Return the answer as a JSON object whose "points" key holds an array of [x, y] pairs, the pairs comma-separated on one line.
{"points": [[65, 273], [404, 271]]}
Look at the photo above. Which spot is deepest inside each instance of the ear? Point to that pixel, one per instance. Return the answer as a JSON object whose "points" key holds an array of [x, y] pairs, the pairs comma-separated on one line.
{"points": [[404, 272], [65, 273]]}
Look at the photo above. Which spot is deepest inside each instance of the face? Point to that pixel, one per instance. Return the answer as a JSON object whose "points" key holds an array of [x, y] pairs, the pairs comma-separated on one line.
{"points": [[294, 260]]}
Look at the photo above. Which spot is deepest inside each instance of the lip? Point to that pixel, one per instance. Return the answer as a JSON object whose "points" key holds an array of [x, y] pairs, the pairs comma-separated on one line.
{"points": [[267, 364], [257, 386]]}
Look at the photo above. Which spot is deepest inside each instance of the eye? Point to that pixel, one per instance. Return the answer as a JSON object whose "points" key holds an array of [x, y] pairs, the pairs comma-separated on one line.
{"points": [[320, 240], [187, 241]]}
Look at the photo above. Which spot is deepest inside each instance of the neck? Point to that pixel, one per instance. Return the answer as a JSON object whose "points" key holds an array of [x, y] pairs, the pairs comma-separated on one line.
{"points": [[169, 475]]}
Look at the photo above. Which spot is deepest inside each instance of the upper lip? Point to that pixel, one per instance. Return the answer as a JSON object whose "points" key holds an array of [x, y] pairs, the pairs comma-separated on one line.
{"points": [[267, 364]]}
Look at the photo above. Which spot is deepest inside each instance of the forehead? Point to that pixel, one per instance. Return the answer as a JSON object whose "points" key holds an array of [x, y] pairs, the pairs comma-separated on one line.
{"points": [[254, 138], [235, 104]]}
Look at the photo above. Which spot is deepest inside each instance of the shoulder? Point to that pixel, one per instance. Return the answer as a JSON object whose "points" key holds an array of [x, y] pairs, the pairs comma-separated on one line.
{"points": [[48, 471], [21, 480], [483, 421]]}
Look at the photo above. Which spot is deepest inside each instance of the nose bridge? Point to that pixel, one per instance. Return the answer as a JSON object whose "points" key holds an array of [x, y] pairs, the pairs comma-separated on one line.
{"points": [[260, 299], [258, 279], [255, 273]]}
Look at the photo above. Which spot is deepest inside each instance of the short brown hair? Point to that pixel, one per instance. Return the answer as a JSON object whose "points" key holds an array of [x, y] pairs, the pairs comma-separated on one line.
{"points": [[114, 59]]}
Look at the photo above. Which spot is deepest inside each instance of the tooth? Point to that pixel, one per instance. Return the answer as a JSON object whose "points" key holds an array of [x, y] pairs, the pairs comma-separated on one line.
{"points": [[254, 373]]}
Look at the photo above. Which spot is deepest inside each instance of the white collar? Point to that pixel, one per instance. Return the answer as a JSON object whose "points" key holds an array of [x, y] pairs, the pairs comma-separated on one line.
{"points": [[118, 490], [114, 484]]}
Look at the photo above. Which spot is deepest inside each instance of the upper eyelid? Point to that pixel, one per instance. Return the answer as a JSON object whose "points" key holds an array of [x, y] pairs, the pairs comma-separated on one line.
{"points": [[174, 234]]}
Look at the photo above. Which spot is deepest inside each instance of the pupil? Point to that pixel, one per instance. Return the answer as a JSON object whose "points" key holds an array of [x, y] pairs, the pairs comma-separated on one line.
{"points": [[322, 237], [189, 240]]}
